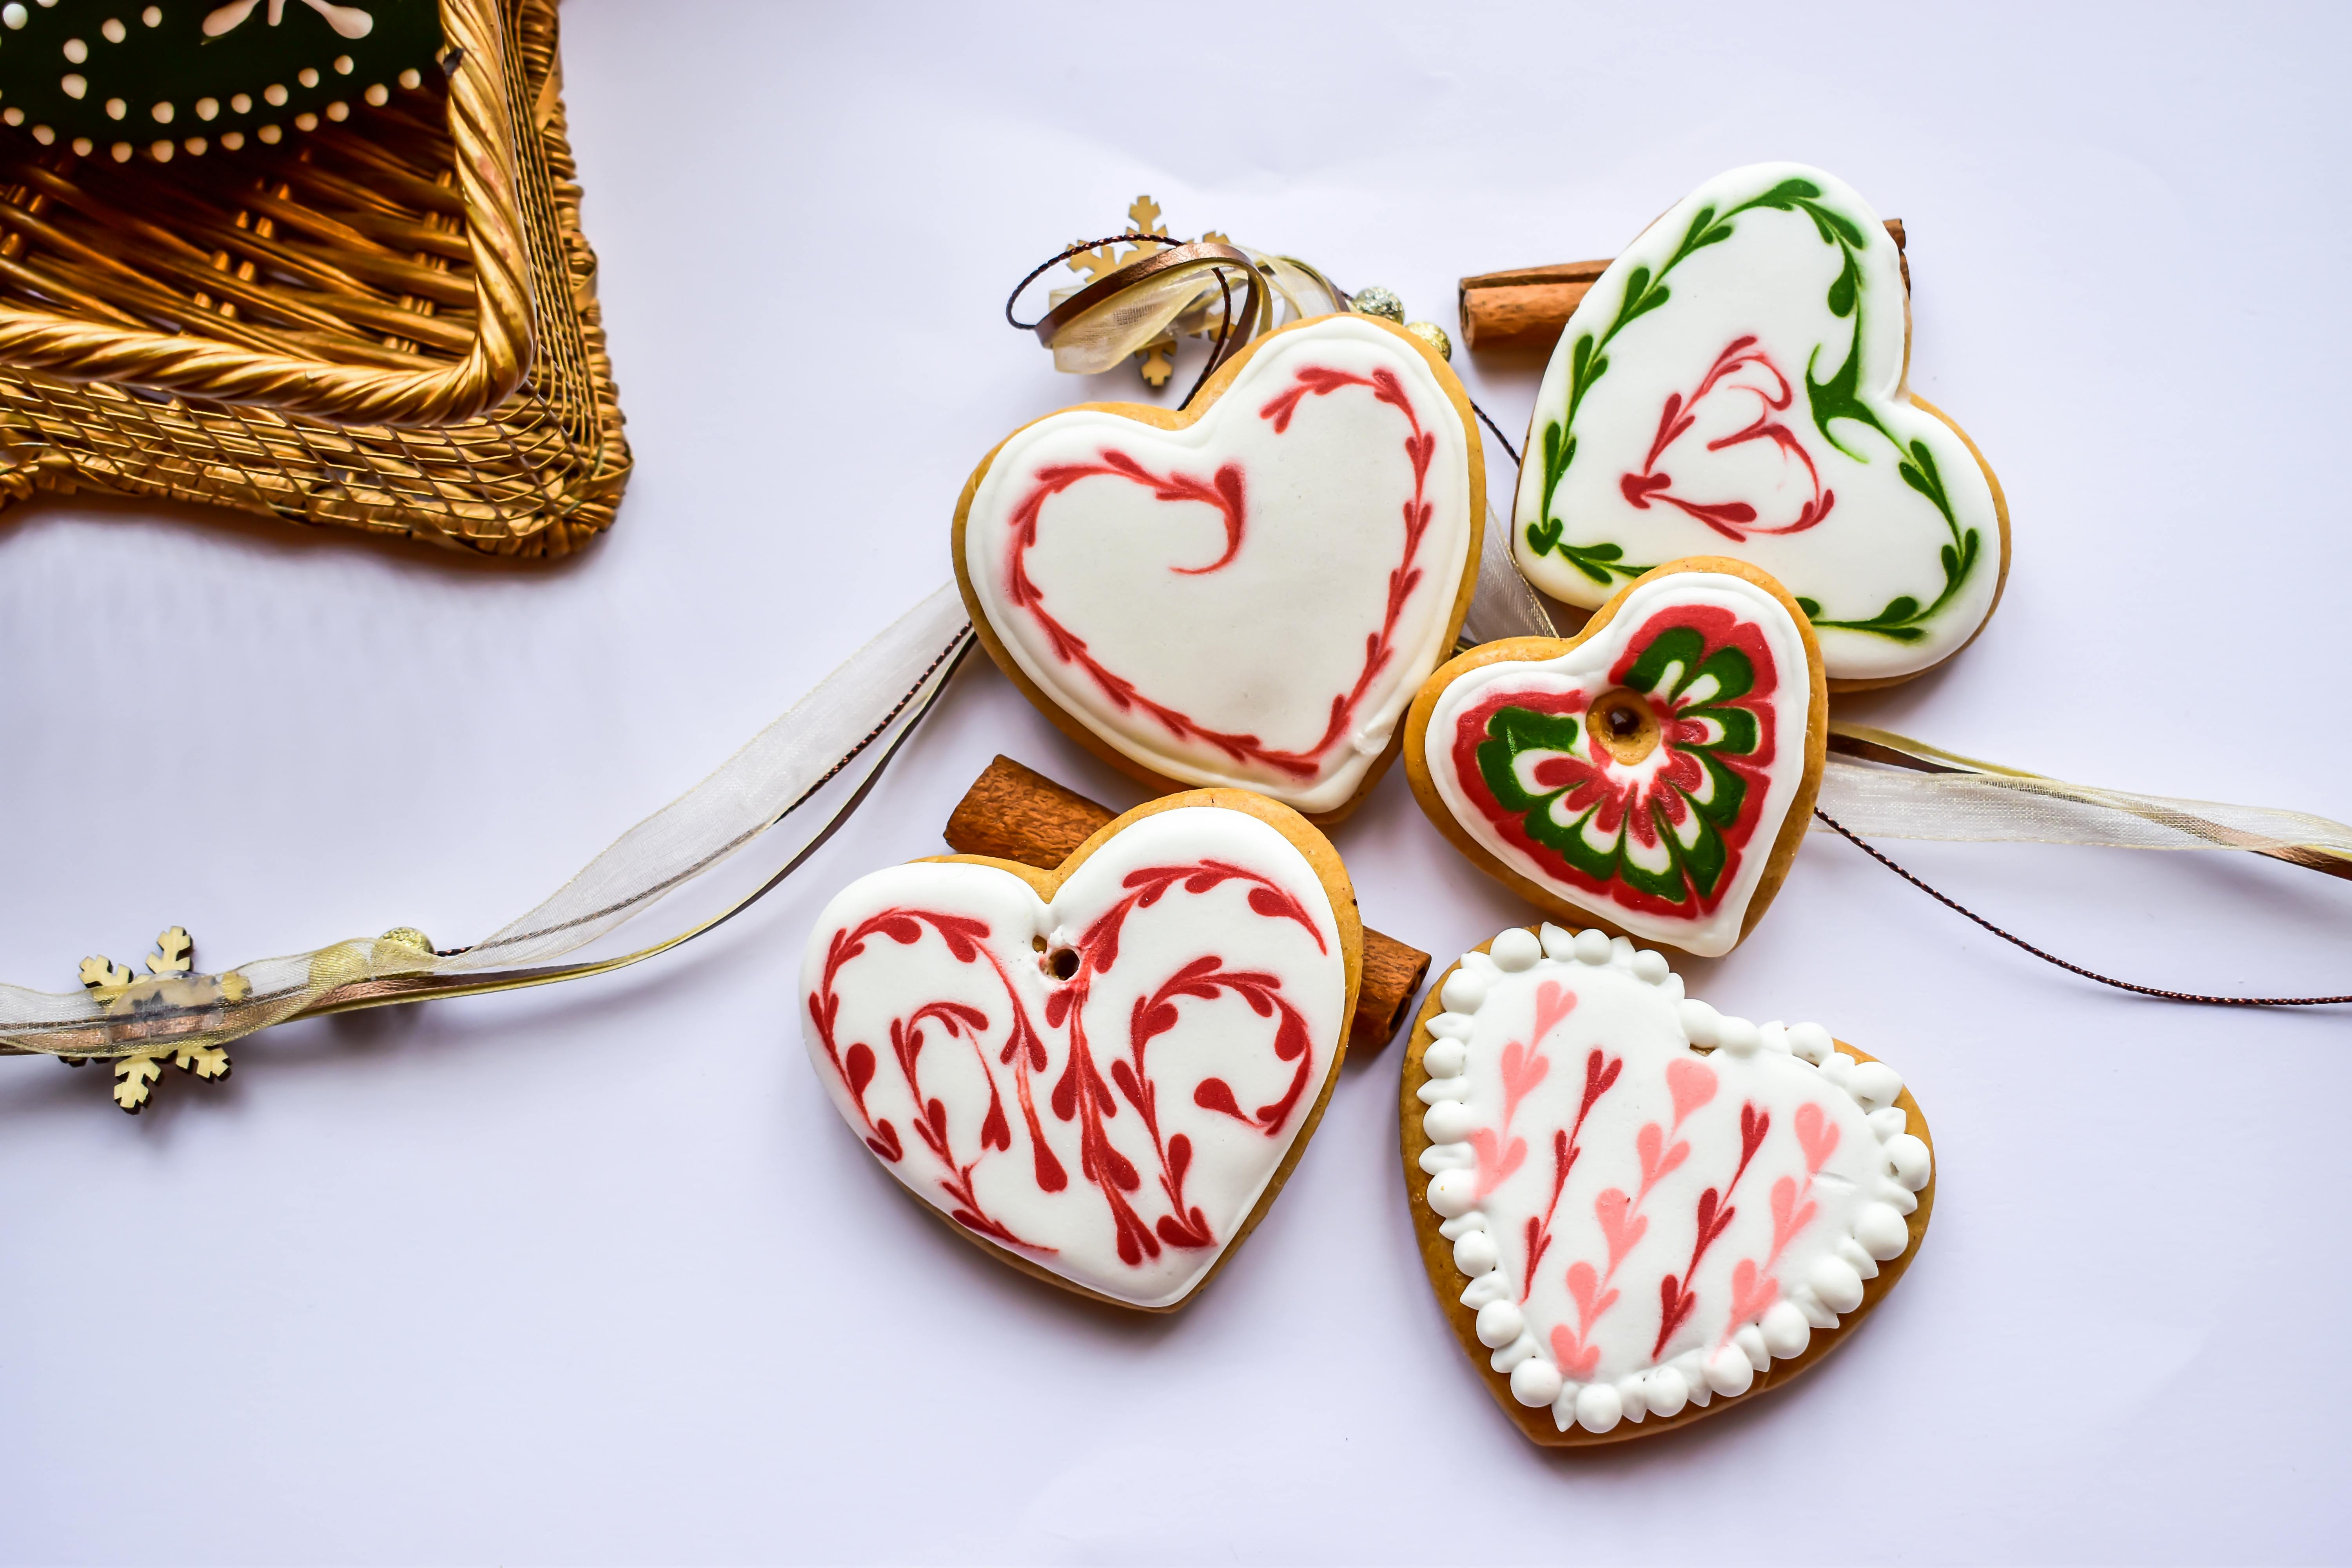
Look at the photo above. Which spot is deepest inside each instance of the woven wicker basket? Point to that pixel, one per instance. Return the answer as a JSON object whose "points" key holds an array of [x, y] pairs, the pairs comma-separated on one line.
{"points": [[388, 324]]}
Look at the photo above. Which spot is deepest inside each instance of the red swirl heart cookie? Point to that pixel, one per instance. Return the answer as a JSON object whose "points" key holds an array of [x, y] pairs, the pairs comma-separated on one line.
{"points": [[1103, 1073], [1249, 593], [1654, 773], [1634, 1210]]}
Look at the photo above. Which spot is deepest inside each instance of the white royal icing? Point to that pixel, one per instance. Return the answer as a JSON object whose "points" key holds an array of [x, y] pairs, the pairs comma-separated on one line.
{"points": [[1582, 1151], [1704, 434], [1648, 848], [1196, 948], [1246, 601]]}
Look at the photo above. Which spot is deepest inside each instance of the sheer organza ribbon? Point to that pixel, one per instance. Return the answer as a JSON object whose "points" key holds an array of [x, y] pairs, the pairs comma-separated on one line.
{"points": [[836, 737], [1885, 785]]}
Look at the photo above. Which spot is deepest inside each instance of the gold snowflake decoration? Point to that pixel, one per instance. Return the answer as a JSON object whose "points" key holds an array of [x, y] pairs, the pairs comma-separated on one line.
{"points": [[167, 993], [1157, 358]]}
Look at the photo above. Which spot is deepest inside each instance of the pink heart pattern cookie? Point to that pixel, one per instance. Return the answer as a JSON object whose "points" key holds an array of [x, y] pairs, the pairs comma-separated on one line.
{"points": [[1104, 1072], [1246, 595], [1655, 772], [1635, 1208]]}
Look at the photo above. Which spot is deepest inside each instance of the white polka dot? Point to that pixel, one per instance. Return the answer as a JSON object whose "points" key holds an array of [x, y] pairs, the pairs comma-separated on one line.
{"points": [[377, 95], [343, 65], [269, 133], [13, 14], [153, 17], [307, 76], [82, 144], [116, 109], [339, 110], [274, 94], [232, 140], [75, 50], [44, 135], [196, 145], [306, 121], [407, 78], [122, 150], [241, 103], [207, 107], [163, 151], [12, 115], [74, 84], [163, 113], [114, 30]]}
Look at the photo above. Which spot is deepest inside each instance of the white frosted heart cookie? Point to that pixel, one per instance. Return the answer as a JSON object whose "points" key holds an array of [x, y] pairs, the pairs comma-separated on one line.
{"points": [[1655, 772], [1244, 594], [1634, 1210], [1102, 1074], [1735, 384]]}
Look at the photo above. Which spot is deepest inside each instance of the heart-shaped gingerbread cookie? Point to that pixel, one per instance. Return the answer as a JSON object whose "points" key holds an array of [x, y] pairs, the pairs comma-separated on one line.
{"points": [[1247, 594], [1654, 773], [1102, 1073], [1634, 1210], [1734, 384]]}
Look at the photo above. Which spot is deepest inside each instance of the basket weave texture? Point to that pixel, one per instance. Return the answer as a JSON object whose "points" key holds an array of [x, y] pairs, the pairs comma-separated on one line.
{"points": [[388, 324]]}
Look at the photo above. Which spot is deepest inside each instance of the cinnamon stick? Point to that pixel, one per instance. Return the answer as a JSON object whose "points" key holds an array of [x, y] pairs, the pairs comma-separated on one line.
{"points": [[1527, 307], [1014, 813]]}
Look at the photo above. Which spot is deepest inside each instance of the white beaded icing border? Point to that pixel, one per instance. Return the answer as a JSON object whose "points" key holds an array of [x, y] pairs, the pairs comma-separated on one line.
{"points": [[1879, 1234]]}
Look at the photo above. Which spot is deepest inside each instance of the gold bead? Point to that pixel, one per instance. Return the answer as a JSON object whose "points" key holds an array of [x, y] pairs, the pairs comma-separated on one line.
{"points": [[408, 936], [1376, 300], [1434, 336]]}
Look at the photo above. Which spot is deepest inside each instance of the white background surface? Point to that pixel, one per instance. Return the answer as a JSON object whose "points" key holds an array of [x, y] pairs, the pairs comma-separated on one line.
{"points": [[596, 1274]]}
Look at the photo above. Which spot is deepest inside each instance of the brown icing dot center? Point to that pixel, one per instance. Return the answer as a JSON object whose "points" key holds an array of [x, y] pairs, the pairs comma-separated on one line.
{"points": [[1623, 724]]}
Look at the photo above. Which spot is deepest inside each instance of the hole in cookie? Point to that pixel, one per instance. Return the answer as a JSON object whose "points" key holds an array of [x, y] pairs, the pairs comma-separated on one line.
{"points": [[1064, 964], [1623, 724], [1037, 943]]}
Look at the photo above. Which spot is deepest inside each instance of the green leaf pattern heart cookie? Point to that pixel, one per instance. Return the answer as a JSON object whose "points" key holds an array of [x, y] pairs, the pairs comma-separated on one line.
{"points": [[1736, 384]]}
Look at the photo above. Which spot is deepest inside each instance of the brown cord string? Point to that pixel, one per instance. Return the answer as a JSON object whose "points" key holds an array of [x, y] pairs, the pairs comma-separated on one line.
{"points": [[1489, 420], [1078, 250], [1843, 832]]}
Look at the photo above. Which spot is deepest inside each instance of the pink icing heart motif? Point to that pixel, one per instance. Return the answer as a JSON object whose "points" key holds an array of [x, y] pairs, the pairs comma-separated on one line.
{"points": [[1247, 596], [1654, 773], [1692, 1085], [1712, 1205], [1102, 1074]]}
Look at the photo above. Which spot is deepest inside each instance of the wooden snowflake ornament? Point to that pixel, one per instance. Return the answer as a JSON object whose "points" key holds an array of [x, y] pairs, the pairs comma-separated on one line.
{"points": [[171, 984], [1156, 361]]}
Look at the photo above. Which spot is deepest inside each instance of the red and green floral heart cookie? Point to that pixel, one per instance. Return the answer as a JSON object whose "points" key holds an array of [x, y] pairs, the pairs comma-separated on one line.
{"points": [[1102, 1074], [1243, 595], [1736, 383], [1654, 773], [1635, 1211]]}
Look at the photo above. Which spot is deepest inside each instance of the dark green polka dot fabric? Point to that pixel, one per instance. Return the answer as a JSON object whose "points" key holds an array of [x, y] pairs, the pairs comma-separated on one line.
{"points": [[168, 78]]}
